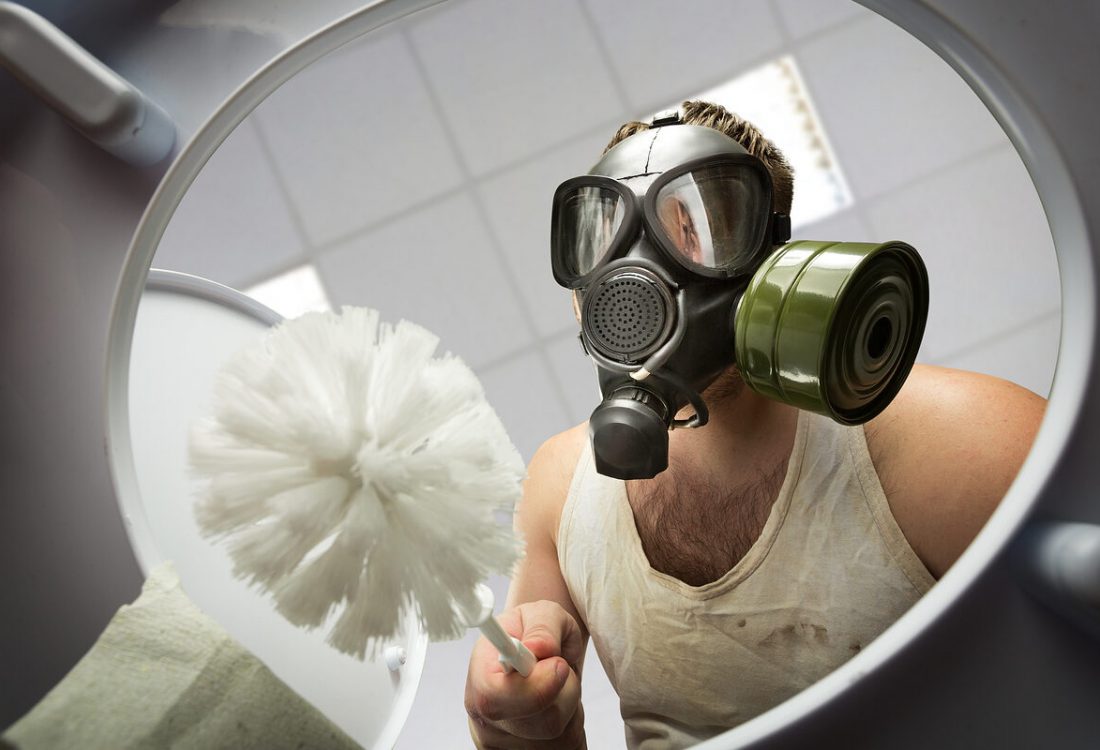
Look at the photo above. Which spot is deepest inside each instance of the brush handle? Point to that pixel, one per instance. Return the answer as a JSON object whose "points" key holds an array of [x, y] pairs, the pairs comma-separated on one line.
{"points": [[479, 613], [513, 654]]}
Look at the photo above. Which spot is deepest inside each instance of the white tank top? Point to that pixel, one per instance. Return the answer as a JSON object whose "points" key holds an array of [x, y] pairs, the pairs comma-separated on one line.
{"points": [[829, 572]]}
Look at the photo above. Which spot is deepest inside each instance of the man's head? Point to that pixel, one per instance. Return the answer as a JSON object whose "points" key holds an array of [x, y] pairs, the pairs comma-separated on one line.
{"points": [[717, 117], [660, 240]]}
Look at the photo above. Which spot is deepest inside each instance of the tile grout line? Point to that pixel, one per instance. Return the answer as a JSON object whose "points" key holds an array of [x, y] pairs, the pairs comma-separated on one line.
{"points": [[296, 220], [784, 32], [605, 126], [309, 253], [529, 348], [964, 161], [314, 249], [483, 216], [605, 55], [998, 337]]}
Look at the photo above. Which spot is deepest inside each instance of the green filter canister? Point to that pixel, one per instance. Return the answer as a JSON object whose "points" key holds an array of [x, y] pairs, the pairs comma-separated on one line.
{"points": [[833, 327]]}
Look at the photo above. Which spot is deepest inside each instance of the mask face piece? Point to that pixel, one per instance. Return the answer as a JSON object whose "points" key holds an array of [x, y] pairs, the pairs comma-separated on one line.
{"points": [[659, 241], [670, 245]]}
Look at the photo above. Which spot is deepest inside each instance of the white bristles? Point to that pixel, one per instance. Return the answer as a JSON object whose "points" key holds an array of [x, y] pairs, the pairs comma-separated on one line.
{"points": [[355, 475]]}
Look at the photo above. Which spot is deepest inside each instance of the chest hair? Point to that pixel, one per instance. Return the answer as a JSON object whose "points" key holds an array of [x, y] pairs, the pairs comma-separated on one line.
{"points": [[695, 528]]}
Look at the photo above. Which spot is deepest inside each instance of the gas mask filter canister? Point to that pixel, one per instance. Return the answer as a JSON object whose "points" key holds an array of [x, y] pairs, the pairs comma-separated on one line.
{"points": [[681, 271]]}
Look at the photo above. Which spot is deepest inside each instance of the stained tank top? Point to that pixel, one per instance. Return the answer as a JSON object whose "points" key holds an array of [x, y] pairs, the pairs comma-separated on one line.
{"points": [[829, 572]]}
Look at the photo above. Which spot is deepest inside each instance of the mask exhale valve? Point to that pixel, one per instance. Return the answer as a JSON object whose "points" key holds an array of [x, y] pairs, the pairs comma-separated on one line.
{"points": [[629, 433]]}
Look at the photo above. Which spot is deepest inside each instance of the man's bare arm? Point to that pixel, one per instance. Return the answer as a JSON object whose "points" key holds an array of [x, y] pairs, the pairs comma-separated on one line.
{"points": [[538, 576], [946, 450], [543, 710]]}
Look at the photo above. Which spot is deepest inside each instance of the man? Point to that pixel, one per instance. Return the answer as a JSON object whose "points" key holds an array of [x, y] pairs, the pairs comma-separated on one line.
{"points": [[774, 547]]}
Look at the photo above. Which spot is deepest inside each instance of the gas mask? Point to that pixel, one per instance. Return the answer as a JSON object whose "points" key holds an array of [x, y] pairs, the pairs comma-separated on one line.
{"points": [[681, 271]]}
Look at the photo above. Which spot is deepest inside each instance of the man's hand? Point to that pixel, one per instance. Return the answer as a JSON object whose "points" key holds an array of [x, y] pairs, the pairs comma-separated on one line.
{"points": [[542, 710]]}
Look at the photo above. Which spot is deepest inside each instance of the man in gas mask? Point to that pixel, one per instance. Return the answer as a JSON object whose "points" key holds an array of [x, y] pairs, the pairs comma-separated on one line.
{"points": [[722, 569]]}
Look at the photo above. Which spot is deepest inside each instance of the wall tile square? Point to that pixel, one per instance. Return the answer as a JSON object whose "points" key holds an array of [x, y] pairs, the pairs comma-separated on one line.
{"points": [[435, 267], [893, 110], [518, 203], [983, 235], [356, 139], [577, 376], [524, 397], [848, 225], [663, 51], [232, 225], [1025, 355], [804, 17], [514, 77]]}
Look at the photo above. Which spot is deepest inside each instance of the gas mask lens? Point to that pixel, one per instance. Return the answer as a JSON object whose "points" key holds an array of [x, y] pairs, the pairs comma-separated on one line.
{"points": [[713, 216], [588, 218]]}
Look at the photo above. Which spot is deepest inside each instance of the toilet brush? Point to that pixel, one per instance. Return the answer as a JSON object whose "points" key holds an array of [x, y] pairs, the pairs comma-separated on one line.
{"points": [[355, 475]]}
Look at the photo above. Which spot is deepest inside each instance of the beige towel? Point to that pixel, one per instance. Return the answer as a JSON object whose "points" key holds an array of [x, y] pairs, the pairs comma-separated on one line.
{"points": [[164, 675]]}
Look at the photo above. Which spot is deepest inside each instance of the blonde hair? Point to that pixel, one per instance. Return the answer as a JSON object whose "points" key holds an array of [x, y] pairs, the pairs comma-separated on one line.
{"points": [[744, 132]]}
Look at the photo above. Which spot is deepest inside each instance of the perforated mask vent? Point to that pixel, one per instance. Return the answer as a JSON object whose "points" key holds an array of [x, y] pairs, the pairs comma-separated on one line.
{"points": [[627, 315]]}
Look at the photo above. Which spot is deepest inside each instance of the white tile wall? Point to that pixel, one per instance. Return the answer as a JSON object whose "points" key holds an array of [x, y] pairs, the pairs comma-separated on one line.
{"points": [[576, 374], [356, 139], [1025, 354], [801, 18], [893, 111], [436, 268], [664, 51], [512, 77], [845, 226], [232, 226], [982, 233], [518, 203], [524, 394]]}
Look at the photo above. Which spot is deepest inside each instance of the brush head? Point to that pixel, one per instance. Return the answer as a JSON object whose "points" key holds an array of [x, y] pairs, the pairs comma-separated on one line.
{"points": [[355, 476]]}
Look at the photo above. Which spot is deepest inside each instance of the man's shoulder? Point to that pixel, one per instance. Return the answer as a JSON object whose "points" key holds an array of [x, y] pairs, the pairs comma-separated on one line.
{"points": [[939, 408], [549, 475], [946, 450], [562, 449]]}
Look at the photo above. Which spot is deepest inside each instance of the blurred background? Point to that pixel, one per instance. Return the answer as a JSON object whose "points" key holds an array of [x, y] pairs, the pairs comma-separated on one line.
{"points": [[412, 172]]}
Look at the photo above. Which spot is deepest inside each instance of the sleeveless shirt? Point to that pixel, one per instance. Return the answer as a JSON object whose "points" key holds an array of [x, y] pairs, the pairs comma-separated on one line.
{"points": [[830, 571]]}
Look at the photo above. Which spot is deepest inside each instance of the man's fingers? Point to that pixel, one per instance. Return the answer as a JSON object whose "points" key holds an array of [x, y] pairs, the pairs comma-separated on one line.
{"points": [[548, 630], [492, 738], [496, 696], [508, 710], [553, 720]]}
